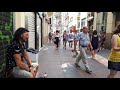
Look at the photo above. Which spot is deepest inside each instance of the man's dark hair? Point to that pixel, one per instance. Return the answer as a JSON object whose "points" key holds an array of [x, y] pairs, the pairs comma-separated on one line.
{"points": [[117, 29], [57, 31], [84, 28], [18, 32], [95, 32], [81, 30]]}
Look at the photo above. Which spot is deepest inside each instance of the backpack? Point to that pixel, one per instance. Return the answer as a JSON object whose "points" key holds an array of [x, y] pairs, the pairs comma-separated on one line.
{"points": [[10, 61]]}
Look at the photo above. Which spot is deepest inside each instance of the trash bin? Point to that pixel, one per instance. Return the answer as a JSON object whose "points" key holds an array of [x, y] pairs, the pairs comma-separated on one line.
{"points": [[33, 54]]}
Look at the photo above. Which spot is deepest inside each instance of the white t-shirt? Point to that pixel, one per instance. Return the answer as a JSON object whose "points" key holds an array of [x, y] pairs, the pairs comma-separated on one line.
{"points": [[57, 35], [70, 36]]}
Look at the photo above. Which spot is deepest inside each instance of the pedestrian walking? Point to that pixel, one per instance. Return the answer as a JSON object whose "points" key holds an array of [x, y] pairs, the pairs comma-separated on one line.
{"points": [[57, 38], [50, 37], [84, 43], [65, 39], [75, 43], [79, 34], [114, 57], [70, 38], [102, 38], [94, 43], [90, 35]]}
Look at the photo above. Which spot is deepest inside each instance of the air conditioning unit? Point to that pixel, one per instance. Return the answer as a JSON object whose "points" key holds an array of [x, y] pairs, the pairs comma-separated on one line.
{"points": [[91, 28]]}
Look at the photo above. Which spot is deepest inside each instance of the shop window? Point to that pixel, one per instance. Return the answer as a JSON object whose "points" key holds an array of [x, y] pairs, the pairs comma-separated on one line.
{"points": [[78, 26], [83, 22]]}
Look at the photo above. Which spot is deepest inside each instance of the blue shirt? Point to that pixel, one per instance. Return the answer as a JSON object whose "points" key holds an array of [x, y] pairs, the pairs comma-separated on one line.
{"points": [[84, 39], [78, 36]]}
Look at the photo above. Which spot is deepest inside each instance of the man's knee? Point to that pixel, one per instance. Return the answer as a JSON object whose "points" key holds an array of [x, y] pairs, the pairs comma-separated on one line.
{"points": [[32, 76], [36, 69], [112, 72]]}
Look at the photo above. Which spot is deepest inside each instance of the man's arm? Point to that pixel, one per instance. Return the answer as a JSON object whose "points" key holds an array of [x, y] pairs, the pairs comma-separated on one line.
{"points": [[78, 37], [114, 42], [90, 45], [20, 63], [28, 60], [17, 56]]}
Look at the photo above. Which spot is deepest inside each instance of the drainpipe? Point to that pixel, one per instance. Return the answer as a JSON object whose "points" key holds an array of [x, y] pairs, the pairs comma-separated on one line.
{"points": [[35, 30], [42, 33], [41, 30]]}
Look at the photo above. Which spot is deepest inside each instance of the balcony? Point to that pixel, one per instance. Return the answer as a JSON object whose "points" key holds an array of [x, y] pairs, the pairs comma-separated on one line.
{"points": [[90, 18]]}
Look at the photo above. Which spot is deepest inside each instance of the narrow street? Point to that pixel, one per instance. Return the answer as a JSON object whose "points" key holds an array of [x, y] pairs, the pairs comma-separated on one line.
{"points": [[44, 26], [59, 63]]}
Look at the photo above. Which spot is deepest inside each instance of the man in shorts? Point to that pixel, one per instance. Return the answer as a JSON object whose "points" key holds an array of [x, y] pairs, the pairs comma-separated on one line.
{"points": [[22, 67]]}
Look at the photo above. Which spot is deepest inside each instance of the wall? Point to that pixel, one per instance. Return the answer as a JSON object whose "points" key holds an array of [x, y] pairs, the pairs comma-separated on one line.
{"points": [[39, 30], [19, 19], [82, 16], [45, 30], [6, 35], [111, 17], [72, 19], [95, 21], [109, 29], [99, 21]]}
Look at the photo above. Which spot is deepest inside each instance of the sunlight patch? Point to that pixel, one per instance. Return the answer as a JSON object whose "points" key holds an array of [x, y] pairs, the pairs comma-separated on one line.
{"points": [[45, 49], [65, 65]]}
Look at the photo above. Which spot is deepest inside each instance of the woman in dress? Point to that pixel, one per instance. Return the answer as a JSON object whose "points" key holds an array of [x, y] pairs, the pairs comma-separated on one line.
{"points": [[94, 43]]}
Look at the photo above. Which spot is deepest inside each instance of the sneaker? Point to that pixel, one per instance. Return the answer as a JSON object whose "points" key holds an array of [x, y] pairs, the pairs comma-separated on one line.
{"points": [[93, 58], [76, 53], [89, 71], [77, 65], [74, 56]]}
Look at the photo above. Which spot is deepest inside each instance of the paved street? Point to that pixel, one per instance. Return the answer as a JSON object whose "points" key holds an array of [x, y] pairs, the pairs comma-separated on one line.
{"points": [[59, 63]]}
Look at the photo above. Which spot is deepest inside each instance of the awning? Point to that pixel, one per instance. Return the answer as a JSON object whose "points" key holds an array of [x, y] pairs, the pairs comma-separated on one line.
{"points": [[90, 18], [49, 14]]}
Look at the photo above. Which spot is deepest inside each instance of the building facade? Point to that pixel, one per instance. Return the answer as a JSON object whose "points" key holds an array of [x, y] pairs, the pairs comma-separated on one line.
{"points": [[83, 19], [90, 20], [78, 22], [106, 22], [46, 27], [33, 22]]}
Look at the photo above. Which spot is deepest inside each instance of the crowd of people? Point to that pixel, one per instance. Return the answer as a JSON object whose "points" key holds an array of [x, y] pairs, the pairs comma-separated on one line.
{"points": [[85, 40]]}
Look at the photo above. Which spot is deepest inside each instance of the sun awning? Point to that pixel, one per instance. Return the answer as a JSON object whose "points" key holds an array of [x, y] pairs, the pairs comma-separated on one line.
{"points": [[90, 18]]}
